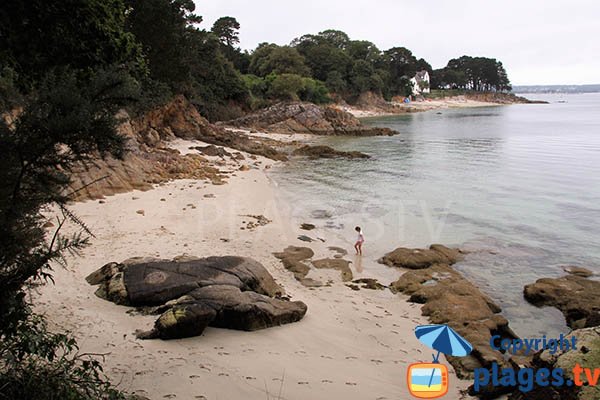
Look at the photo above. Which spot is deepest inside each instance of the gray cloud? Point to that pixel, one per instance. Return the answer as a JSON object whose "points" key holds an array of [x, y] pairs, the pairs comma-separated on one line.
{"points": [[539, 42]]}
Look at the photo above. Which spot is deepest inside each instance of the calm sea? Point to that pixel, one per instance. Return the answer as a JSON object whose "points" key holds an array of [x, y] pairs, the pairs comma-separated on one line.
{"points": [[518, 185]]}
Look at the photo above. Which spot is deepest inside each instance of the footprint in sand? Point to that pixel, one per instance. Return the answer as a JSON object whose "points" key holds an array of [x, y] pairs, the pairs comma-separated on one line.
{"points": [[169, 396], [201, 397], [223, 353], [194, 376], [378, 362], [351, 358], [223, 374], [326, 381], [327, 357], [351, 383], [250, 378], [302, 383]]}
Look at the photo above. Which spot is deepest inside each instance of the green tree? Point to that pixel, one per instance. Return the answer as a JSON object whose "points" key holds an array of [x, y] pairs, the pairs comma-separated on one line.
{"points": [[364, 50], [270, 58], [38, 35], [322, 57], [162, 27], [335, 38], [227, 30], [364, 78], [401, 66], [67, 117], [188, 60], [473, 73], [285, 86]]}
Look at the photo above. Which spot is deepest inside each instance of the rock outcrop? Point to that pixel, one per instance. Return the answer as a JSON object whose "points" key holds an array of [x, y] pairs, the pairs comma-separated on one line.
{"points": [[421, 258], [193, 293], [294, 260], [577, 297], [148, 161], [316, 152], [448, 298], [298, 261], [587, 355], [297, 117]]}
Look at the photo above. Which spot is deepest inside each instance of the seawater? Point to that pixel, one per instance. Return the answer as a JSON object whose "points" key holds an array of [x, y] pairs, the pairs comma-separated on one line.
{"points": [[518, 185]]}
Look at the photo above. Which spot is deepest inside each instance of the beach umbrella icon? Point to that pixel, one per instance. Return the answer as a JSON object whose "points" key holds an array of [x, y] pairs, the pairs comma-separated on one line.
{"points": [[443, 339]]}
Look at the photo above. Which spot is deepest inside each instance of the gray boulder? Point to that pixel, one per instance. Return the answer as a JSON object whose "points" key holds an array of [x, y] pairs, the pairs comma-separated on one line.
{"points": [[193, 293]]}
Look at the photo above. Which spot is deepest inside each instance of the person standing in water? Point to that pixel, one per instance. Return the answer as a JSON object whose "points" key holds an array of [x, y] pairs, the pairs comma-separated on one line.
{"points": [[359, 240]]}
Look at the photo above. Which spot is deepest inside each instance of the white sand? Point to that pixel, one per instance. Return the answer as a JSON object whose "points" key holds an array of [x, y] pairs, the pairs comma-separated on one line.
{"points": [[417, 106], [350, 345]]}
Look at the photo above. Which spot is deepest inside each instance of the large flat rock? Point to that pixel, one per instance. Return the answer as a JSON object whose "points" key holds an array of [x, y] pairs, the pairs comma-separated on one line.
{"points": [[449, 298], [421, 258], [578, 298], [193, 293]]}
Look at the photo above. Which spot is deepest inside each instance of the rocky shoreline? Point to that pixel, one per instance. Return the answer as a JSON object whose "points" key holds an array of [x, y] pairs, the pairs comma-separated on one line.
{"points": [[175, 142], [371, 105]]}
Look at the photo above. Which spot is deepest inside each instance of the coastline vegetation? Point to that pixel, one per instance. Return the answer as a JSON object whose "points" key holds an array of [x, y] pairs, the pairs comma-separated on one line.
{"points": [[67, 67]]}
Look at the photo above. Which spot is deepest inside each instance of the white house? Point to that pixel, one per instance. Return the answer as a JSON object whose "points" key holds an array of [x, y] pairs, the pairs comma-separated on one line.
{"points": [[420, 83]]}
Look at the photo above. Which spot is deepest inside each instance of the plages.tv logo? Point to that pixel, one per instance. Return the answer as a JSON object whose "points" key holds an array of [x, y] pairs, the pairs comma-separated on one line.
{"points": [[430, 380]]}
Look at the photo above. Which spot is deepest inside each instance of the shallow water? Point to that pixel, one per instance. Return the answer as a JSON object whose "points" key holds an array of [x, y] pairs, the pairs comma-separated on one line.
{"points": [[518, 184]]}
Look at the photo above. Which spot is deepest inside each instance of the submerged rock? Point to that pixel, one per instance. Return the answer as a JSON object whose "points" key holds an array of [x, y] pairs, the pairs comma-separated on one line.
{"points": [[292, 259], [335, 263], [307, 227], [578, 298], [448, 298], [295, 259], [579, 271], [421, 258], [193, 293], [315, 152]]}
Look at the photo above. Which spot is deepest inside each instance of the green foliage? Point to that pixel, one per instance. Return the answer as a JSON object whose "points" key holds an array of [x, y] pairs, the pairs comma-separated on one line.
{"points": [[472, 73], [323, 57], [227, 30], [186, 59], [285, 87], [37, 364], [9, 94], [38, 35], [69, 116], [270, 58], [314, 91], [352, 67], [364, 78]]}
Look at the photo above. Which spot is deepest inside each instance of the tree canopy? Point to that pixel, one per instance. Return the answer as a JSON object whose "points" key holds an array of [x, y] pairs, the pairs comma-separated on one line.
{"points": [[472, 73]]}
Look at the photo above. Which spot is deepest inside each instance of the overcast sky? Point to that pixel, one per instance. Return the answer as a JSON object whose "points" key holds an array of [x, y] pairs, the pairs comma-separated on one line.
{"points": [[539, 42]]}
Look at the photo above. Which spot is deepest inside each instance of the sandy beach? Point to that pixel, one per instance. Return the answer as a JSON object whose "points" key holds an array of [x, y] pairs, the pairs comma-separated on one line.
{"points": [[351, 344], [419, 106]]}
